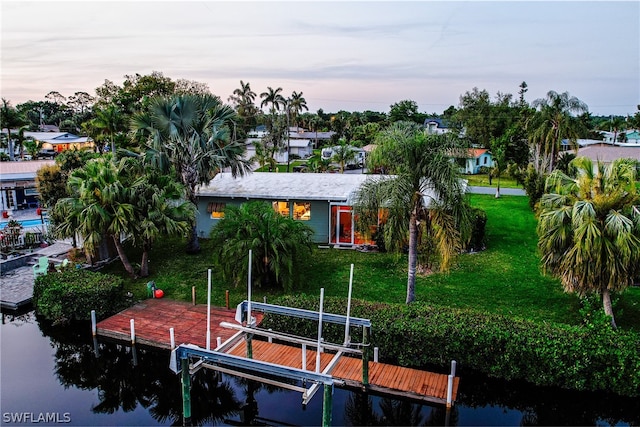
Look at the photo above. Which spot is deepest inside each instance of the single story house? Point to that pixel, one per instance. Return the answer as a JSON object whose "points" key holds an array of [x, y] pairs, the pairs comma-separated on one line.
{"points": [[474, 159], [608, 153], [18, 184], [56, 142], [322, 200]]}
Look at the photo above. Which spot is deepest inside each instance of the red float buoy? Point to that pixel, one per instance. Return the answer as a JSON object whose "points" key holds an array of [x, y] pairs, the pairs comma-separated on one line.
{"points": [[159, 293]]}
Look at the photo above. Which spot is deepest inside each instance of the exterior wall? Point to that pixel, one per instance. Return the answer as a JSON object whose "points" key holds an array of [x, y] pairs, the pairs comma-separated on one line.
{"points": [[473, 165], [319, 220]]}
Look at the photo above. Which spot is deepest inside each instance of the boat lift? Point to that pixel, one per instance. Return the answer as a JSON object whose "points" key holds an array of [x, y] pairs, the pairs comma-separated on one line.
{"points": [[192, 358]]}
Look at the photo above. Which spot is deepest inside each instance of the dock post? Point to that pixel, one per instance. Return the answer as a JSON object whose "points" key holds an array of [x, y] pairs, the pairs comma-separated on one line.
{"points": [[209, 310], [327, 405], [186, 393], [375, 354], [449, 390], [365, 356], [304, 357], [453, 368], [172, 338], [94, 328], [270, 339], [226, 298], [193, 295], [218, 341], [133, 332]]}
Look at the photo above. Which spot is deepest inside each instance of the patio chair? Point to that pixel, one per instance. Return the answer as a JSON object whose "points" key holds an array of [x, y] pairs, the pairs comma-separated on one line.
{"points": [[41, 267]]}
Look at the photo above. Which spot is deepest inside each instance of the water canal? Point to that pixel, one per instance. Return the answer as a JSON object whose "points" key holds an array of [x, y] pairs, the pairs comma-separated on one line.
{"points": [[52, 375]]}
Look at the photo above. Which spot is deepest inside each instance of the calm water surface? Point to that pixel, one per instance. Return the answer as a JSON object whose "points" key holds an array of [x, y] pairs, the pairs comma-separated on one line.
{"points": [[52, 375]]}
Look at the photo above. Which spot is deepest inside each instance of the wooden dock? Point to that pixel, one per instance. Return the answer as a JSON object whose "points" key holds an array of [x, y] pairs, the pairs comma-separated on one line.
{"points": [[383, 377], [154, 317]]}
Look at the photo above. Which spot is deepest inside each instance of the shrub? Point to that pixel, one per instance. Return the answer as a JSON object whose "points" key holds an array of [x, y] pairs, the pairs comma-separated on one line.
{"points": [[477, 242], [71, 294], [545, 354]]}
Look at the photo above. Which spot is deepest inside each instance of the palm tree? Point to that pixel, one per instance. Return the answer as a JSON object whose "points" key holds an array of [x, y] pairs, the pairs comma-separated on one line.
{"points": [[589, 228], [190, 134], [100, 205], [108, 122], [10, 119], [243, 95], [342, 155], [274, 99], [160, 206], [318, 164], [554, 122], [425, 193], [297, 103], [278, 244], [263, 157]]}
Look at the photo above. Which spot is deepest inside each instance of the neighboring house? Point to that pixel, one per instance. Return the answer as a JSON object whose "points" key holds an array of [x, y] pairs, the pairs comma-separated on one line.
{"points": [[322, 200], [318, 139], [435, 126], [18, 184], [358, 160], [56, 142], [474, 159], [608, 153]]}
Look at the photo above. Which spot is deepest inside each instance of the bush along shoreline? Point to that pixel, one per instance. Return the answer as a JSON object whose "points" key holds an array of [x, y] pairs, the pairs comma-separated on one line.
{"points": [[72, 293], [590, 357]]}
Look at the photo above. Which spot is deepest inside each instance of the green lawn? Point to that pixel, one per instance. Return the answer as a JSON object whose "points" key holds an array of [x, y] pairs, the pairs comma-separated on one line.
{"points": [[482, 180], [505, 278]]}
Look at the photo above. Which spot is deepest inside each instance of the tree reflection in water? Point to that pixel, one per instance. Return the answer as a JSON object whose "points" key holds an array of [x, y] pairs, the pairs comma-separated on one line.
{"points": [[150, 384], [360, 411]]}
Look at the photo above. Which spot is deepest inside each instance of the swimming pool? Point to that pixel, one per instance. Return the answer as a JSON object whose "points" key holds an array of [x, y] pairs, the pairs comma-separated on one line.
{"points": [[26, 223]]}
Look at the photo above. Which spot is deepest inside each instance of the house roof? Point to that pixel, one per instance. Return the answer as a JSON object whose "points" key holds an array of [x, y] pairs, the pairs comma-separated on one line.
{"points": [[477, 152], [19, 171], [301, 143], [285, 186], [312, 135], [609, 153], [442, 124]]}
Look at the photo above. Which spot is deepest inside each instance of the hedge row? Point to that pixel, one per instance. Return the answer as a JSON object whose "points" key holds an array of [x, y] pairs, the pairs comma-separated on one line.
{"points": [[72, 293], [573, 357]]}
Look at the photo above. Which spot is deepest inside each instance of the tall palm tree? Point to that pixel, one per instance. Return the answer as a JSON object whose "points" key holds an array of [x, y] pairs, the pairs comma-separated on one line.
{"points": [[589, 228], [243, 95], [553, 122], [190, 134], [10, 118], [108, 122], [273, 99], [297, 103], [425, 192]]}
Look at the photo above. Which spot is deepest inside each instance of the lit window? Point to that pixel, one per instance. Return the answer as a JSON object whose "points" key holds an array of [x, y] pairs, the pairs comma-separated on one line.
{"points": [[216, 210], [281, 207], [302, 211]]}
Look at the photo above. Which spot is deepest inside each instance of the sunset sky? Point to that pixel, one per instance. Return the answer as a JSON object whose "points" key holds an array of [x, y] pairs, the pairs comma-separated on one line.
{"points": [[347, 55]]}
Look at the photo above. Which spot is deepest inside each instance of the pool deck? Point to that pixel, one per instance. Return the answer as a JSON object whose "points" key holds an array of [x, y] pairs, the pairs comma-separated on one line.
{"points": [[16, 285]]}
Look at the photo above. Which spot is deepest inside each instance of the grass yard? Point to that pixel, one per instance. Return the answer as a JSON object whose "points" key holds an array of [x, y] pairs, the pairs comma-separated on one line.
{"points": [[505, 278], [482, 180]]}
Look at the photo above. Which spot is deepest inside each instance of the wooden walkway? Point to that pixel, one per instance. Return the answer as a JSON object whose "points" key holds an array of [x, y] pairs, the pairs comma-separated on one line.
{"points": [[383, 378], [154, 317]]}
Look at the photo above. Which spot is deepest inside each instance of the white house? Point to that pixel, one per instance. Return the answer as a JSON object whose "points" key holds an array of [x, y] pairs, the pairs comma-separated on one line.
{"points": [[475, 159], [435, 126]]}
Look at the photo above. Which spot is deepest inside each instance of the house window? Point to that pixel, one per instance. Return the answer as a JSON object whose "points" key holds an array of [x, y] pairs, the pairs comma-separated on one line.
{"points": [[302, 211], [216, 210], [281, 207], [484, 161], [477, 162]]}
